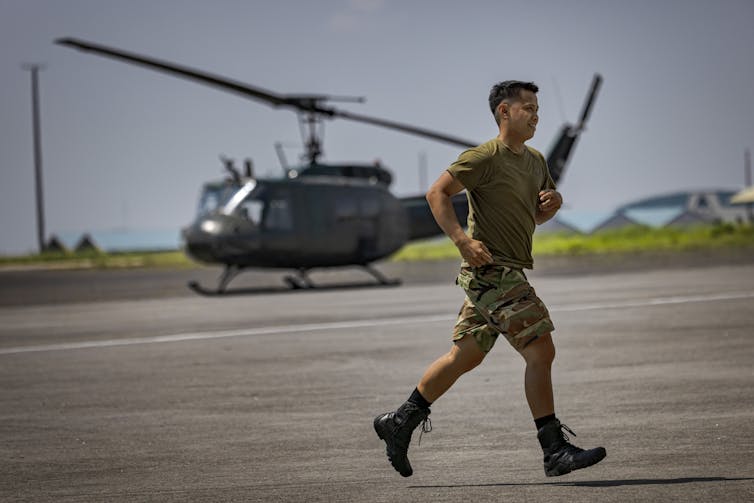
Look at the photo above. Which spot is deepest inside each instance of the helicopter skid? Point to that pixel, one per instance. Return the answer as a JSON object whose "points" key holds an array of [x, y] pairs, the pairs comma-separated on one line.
{"points": [[298, 281], [201, 290]]}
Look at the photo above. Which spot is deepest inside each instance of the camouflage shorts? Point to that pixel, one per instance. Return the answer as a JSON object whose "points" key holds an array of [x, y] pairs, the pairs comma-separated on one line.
{"points": [[500, 300]]}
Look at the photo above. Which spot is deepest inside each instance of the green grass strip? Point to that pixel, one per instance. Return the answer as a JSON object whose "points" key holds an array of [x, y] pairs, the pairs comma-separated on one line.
{"points": [[625, 240], [634, 239], [101, 260]]}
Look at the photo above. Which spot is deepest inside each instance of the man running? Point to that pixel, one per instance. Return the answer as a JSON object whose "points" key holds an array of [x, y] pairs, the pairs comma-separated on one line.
{"points": [[510, 191]]}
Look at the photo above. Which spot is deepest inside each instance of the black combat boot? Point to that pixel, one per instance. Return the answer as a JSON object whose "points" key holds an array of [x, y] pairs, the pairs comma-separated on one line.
{"points": [[562, 457], [395, 428]]}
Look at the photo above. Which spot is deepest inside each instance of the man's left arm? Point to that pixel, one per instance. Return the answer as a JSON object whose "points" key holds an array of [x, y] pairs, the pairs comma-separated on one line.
{"points": [[550, 201]]}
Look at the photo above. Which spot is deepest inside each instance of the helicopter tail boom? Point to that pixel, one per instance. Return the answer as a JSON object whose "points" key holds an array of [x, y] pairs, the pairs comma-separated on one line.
{"points": [[421, 222]]}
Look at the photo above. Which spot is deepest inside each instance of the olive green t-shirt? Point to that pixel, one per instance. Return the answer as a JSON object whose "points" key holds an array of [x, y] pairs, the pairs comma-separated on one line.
{"points": [[503, 192]]}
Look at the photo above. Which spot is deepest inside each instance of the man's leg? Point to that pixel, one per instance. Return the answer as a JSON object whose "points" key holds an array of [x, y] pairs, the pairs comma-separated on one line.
{"points": [[395, 428], [463, 356], [538, 377], [560, 456]]}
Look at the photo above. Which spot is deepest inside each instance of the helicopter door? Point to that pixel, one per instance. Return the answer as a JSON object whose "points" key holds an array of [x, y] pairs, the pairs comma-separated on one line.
{"points": [[278, 216], [323, 221], [278, 223]]}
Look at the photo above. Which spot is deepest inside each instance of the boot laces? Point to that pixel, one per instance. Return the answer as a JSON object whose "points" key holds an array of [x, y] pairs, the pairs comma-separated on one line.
{"points": [[568, 446], [566, 428], [426, 428]]}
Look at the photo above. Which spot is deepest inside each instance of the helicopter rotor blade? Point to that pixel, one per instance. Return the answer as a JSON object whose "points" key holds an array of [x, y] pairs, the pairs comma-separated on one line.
{"points": [[405, 128], [303, 103], [182, 71], [596, 83], [558, 157]]}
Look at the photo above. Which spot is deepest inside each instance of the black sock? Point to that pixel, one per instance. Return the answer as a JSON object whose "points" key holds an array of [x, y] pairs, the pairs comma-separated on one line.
{"points": [[419, 400], [544, 420]]}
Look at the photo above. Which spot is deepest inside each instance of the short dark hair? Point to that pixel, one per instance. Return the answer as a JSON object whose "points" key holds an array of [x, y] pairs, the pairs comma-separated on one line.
{"points": [[508, 90]]}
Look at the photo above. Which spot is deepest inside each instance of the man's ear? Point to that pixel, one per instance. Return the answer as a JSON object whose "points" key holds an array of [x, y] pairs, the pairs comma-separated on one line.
{"points": [[503, 110]]}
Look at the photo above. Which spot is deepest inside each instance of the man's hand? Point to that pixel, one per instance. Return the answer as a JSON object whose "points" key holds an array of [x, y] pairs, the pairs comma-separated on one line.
{"points": [[549, 200], [549, 204], [474, 252]]}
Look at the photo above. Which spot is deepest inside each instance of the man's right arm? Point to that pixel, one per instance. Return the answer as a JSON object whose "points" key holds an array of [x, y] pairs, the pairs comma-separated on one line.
{"points": [[439, 198]]}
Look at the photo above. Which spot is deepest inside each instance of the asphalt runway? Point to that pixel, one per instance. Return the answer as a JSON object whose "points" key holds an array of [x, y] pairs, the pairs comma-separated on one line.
{"points": [[161, 395]]}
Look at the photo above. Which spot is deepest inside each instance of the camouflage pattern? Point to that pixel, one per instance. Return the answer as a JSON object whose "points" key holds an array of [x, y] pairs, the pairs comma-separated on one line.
{"points": [[500, 300]]}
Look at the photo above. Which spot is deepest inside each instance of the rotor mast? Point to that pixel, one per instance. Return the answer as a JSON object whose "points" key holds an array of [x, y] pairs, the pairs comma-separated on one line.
{"points": [[311, 113]]}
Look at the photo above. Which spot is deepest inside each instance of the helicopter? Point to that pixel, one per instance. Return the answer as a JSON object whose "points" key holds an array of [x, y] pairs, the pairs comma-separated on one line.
{"points": [[318, 215]]}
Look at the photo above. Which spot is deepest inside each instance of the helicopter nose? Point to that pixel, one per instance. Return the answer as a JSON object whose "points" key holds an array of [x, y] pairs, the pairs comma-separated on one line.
{"points": [[211, 227], [214, 238], [198, 243]]}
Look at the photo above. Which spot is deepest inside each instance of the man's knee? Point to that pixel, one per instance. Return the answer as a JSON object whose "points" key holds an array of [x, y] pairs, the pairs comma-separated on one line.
{"points": [[540, 351], [466, 354]]}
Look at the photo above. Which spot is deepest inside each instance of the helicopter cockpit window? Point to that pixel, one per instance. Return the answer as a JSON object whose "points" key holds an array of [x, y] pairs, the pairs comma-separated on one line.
{"points": [[251, 209], [208, 202], [213, 197], [238, 197]]}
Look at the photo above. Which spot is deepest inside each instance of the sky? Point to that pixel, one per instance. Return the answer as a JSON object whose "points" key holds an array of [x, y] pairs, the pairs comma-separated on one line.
{"points": [[124, 147]]}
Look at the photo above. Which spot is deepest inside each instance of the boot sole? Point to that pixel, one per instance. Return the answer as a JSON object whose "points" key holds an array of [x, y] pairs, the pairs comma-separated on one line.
{"points": [[563, 470]]}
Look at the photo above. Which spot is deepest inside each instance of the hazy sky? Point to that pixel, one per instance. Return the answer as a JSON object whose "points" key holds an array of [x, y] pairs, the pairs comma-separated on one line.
{"points": [[127, 147]]}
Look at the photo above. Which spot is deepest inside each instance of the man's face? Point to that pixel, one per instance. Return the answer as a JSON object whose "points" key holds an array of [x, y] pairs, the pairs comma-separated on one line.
{"points": [[523, 115]]}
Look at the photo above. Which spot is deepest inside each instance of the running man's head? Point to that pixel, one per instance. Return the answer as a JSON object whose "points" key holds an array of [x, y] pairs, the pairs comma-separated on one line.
{"points": [[514, 105]]}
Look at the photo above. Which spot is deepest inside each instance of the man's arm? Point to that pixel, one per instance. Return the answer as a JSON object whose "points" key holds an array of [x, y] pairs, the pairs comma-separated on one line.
{"points": [[549, 204], [439, 198]]}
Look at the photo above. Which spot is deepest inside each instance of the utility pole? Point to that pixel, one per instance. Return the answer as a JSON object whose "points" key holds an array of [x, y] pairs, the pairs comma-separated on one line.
{"points": [[34, 68], [747, 175]]}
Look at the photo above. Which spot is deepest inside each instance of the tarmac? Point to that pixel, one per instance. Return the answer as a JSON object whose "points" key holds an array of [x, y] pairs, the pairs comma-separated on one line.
{"points": [[126, 386]]}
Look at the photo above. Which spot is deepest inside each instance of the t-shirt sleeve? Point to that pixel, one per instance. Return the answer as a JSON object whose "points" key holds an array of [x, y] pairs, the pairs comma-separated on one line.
{"points": [[548, 183], [470, 168]]}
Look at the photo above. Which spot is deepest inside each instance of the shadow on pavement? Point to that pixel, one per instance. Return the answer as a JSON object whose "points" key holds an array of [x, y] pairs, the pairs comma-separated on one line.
{"points": [[599, 483]]}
